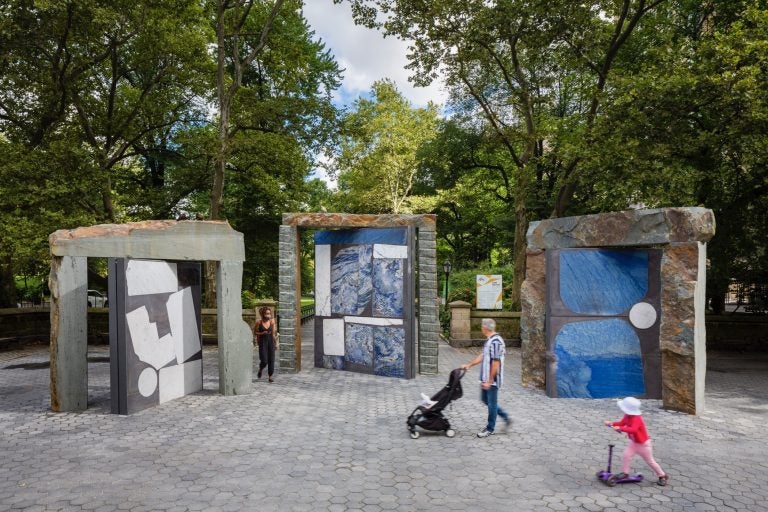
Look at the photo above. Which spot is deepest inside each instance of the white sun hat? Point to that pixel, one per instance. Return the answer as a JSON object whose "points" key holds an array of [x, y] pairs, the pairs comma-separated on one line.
{"points": [[630, 405]]}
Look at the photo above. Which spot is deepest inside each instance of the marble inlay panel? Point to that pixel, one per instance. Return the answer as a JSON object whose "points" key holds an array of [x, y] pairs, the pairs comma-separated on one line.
{"points": [[388, 287], [145, 277], [333, 362], [603, 282], [333, 337], [395, 236], [358, 345], [389, 351], [181, 379], [390, 251], [370, 320], [323, 280], [598, 359], [351, 284]]}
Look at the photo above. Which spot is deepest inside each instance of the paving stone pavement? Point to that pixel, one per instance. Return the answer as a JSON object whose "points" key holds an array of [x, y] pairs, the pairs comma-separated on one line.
{"points": [[337, 441]]}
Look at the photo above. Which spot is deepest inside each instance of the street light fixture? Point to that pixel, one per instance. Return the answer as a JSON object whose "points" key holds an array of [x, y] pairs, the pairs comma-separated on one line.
{"points": [[447, 270]]}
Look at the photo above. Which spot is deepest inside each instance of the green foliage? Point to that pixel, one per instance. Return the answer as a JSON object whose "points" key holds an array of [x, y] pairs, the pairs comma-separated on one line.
{"points": [[377, 160], [114, 125], [249, 299]]}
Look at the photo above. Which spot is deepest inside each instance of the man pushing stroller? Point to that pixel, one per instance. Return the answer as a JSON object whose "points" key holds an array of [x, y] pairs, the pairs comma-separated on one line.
{"points": [[491, 375]]}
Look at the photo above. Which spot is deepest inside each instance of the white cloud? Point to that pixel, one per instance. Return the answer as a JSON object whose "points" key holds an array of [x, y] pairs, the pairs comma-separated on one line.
{"points": [[365, 54]]}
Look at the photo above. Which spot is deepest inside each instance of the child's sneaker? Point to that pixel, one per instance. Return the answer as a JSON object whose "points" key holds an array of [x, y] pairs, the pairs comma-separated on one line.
{"points": [[621, 476], [484, 433], [662, 481]]}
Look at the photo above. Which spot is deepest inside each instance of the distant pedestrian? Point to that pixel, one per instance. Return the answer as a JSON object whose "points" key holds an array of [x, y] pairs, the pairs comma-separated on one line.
{"points": [[491, 375], [265, 336], [639, 441]]}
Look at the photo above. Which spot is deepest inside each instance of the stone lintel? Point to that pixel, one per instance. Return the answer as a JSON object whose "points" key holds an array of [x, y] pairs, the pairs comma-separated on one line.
{"points": [[154, 239], [353, 220], [630, 228]]}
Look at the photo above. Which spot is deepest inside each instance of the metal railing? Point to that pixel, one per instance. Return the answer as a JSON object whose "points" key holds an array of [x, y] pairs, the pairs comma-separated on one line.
{"points": [[753, 298], [307, 313]]}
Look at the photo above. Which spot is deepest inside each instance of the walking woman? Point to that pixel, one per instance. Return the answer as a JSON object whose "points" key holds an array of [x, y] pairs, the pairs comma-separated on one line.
{"points": [[265, 335]]}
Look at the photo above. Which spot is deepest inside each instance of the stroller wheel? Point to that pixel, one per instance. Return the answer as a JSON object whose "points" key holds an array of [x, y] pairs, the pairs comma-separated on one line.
{"points": [[414, 435], [450, 432]]}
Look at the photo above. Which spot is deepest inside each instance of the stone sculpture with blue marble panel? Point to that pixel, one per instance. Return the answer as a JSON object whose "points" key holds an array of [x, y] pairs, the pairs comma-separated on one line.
{"points": [[388, 287], [598, 359], [603, 282], [389, 351]]}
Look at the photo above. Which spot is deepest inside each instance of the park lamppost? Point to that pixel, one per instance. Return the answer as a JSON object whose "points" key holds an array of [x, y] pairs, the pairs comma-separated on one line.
{"points": [[447, 270]]}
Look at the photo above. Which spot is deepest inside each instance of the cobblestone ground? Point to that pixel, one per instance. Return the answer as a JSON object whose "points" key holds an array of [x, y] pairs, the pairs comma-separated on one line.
{"points": [[335, 441]]}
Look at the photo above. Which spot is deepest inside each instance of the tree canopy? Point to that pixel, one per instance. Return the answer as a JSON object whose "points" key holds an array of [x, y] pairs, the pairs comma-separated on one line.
{"points": [[118, 111]]}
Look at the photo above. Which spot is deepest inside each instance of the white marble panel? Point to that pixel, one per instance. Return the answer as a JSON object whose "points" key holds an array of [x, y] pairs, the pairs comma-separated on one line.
{"points": [[183, 321], [390, 251], [145, 277], [180, 379], [148, 346], [370, 320], [323, 280], [333, 337]]}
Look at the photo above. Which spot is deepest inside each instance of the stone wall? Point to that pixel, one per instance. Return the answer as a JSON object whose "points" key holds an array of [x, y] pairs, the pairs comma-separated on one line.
{"points": [[465, 325]]}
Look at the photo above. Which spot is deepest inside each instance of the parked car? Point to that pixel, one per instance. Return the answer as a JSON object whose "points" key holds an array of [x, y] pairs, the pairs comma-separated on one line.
{"points": [[96, 299]]}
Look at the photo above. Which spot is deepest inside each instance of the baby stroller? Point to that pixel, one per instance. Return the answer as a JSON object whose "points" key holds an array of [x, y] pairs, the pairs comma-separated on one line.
{"points": [[429, 415]]}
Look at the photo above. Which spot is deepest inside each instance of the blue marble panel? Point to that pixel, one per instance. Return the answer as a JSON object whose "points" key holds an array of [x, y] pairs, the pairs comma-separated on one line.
{"points": [[389, 351], [394, 236], [602, 282], [333, 362], [358, 344], [351, 284], [388, 287], [598, 359]]}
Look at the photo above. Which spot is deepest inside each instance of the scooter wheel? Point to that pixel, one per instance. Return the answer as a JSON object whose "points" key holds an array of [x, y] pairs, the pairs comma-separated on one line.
{"points": [[611, 482], [450, 433], [414, 435]]}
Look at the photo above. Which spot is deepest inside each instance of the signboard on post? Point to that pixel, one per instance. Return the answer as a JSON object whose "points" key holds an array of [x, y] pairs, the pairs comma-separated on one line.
{"points": [[489, 291]]}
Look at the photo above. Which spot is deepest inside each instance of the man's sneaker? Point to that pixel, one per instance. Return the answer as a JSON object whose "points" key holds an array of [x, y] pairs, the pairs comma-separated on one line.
{"points": [[507, 424], [484, 433]]}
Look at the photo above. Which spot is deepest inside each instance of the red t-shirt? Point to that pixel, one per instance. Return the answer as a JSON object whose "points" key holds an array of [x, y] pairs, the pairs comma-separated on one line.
{"points": [[634, 426]]}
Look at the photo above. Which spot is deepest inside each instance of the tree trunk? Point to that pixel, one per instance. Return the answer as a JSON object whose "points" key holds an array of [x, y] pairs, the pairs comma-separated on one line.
{"points": [[7, 284], [518, 249], [217, 190]]}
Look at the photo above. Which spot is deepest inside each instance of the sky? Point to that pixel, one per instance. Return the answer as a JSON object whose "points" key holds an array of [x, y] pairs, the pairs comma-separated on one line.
{"points": [[365, 55]]}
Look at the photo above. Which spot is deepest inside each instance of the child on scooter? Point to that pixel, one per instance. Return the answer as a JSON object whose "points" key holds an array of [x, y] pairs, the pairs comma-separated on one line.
{"points": [[639, 441]]}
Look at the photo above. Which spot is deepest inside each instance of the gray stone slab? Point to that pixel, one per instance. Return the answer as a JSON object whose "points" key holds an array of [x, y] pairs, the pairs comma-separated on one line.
{"points": [[235, 345], [69, 333], [161, 239]]}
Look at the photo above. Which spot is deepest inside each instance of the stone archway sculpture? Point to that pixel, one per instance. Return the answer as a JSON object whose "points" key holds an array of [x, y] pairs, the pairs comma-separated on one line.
{"points": [[158, 240]]}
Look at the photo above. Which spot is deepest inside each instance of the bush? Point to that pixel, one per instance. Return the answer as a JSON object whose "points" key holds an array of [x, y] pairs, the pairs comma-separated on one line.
{"points": [[249, 299]]}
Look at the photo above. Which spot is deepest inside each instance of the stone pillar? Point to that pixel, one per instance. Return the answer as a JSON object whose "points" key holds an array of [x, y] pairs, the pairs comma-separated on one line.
{"points": [[460, 321], [289, 300], [429, 317], [533, 319], [682, 332], [69, 335], [235, 347]]}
